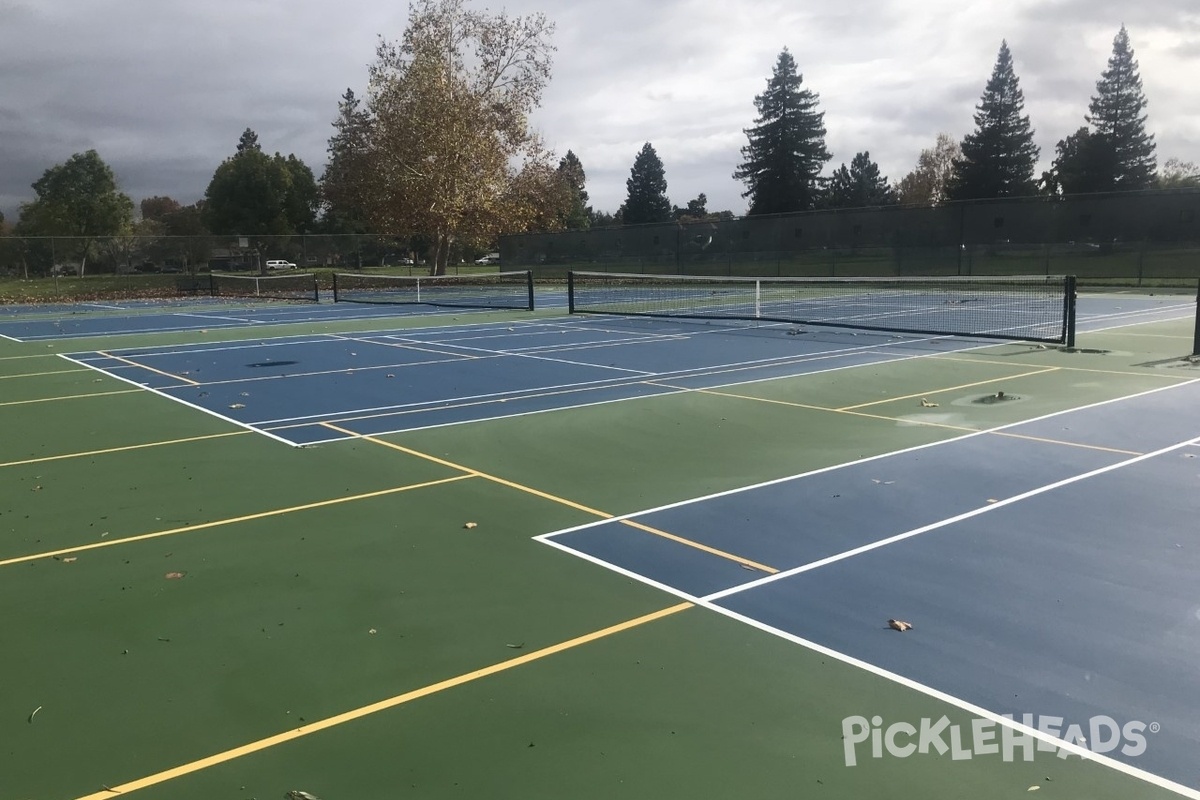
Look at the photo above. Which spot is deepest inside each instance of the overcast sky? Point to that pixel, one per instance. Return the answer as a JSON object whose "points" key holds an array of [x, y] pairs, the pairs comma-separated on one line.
{"points": [[163, 89]]}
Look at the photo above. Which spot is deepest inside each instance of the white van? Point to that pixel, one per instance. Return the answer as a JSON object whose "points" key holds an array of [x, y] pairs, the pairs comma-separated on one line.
{"points": [[280, 265]]}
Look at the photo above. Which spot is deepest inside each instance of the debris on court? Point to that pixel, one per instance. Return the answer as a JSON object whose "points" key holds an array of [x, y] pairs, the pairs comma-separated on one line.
{"points": [[471, 525], [237, 405], [516, 646], [998, 397], [296, 794], [899, 625], [34, 714], [372, 631], [174, 576], [927, 404], [65, 559]]}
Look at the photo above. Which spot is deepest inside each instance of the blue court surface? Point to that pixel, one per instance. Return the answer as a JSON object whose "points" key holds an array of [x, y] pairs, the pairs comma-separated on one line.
{"points": [[1047, 568], [321, 387], [113, 318]]}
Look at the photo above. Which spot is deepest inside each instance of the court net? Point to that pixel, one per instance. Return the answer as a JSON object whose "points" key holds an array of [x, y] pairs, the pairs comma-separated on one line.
{"points": [[500, 290], [266, 287], [1036, 308]]}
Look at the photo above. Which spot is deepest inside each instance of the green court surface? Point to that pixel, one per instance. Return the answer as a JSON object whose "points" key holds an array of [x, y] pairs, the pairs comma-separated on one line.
{"points": [[194, 610]]}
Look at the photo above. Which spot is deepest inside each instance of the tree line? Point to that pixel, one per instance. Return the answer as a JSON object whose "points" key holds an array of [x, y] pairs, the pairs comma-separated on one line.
{"points": [[442, 150]]}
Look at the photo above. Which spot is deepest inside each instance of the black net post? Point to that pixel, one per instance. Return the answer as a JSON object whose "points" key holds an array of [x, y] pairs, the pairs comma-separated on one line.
{"points": [[529, 278], [212, 285], [1069, 312], [570, 292], [335, 296], [1196, 337]]}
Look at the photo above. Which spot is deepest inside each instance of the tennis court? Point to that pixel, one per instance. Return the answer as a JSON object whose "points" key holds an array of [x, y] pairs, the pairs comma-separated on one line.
{"points": [[364, 550]]}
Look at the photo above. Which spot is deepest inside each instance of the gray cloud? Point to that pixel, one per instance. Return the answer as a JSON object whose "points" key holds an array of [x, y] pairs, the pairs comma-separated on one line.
{"points": [[163, 90]]}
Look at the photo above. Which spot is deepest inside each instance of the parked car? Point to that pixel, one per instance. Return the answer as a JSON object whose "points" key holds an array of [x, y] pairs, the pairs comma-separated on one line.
{"points": [[279, 264], [490, 258]]}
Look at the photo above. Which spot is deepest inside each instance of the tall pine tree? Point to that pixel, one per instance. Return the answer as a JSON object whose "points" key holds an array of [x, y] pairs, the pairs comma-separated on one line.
{"points": [[647, 199], [1126, 151], [344, 185], [999, 158], [786, 149], [860, 186], [570, 173]]}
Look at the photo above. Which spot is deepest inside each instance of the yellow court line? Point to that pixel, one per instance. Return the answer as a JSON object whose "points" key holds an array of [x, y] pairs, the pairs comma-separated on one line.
{"points": [[1147, 374], [151, 369], [712, 550], [912, 421], [553, 498], [106, 451], [383, 705], [1101, 448], [808, 407], [949, 389], [473, 472], [42, 374], [233, 520], [31, 355], [68, 397]]}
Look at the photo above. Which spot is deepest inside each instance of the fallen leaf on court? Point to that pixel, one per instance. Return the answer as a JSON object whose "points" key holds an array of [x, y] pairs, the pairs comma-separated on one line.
{"points": [[245, 394], [34, 714], [98, 380], [372, 631], [899, 625], [298, 795], [238, 405], [516, 646], [470, 525], [1033, 788], [926, 404], [390, 375], [69, 560], [993, 500], [174, 576]]}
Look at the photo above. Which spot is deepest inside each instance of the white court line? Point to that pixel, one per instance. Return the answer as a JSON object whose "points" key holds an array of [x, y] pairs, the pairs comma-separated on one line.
{"points": [[604, 383], [888, 359], [160, 393], [945, 522], [525, 354], [200, 315], [865, 666], [386, 411], [866, 460]]}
